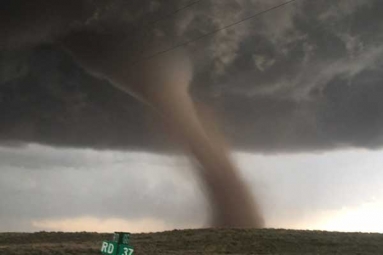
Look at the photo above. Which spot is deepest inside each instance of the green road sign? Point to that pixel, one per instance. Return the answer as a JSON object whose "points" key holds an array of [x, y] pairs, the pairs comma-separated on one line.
{"points": [[119, 246], [109, 248], [121, 237], [125, 249]]}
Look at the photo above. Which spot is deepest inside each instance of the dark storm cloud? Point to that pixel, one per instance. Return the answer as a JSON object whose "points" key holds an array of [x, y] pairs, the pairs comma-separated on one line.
{"points": [[302, 77], [51, 100]]}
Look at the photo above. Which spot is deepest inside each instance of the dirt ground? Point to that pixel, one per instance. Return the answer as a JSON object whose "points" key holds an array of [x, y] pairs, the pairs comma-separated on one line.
{"points": [[202, 241]]}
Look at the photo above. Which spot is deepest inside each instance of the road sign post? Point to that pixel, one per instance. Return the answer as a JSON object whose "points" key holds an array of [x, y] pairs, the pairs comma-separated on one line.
{"points": [[119, 246]]}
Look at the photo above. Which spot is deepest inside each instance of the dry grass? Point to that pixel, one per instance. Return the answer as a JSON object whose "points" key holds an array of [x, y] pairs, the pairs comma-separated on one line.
{"points": [[203, 241]]}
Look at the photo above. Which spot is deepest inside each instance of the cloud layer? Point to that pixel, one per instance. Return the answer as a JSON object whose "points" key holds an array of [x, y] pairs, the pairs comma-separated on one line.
{"points": [[302, 77]]}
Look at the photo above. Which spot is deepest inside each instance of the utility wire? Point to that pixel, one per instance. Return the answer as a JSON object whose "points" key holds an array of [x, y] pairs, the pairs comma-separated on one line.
{"points": [[151, 24], [214, 31], [165, 16]]}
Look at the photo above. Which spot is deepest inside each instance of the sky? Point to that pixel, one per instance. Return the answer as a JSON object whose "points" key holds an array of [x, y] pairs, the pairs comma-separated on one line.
{"points": [[297, 92], [51, 189]]}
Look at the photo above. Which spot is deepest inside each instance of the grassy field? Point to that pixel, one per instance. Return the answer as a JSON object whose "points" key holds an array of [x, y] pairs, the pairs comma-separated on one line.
{"points": [[202, 241]]}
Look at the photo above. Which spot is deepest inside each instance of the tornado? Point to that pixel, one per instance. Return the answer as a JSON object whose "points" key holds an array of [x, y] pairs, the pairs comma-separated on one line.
{"points": [[162, 82], [167, 84]]}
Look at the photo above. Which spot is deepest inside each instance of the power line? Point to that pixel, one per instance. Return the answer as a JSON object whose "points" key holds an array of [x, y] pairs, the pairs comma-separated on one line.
{"points": [[215, 31], [150, 24], [165, 16]]}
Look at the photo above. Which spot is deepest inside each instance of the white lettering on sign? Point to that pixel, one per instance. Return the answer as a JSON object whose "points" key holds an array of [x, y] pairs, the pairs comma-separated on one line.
{"points": [[110, 248], [104, 247], [107, 248], [128, 251]]}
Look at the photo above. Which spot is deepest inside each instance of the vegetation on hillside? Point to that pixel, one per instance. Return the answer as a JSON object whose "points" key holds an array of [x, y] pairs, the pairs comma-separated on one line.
{"points": [[202, 241]]}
